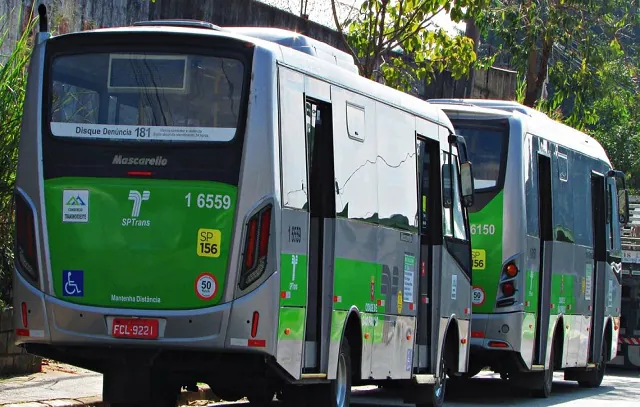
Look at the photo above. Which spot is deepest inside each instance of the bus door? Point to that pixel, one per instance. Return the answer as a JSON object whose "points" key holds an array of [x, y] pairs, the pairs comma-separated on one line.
{"points": [[308, 205], [596, 285], [430, 229], [322, 210], [546, 242]]}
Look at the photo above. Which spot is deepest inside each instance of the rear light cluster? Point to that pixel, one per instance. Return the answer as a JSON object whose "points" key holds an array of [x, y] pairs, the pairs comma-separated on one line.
{"points": [[256, 248], [508, 286], [26, 252]]}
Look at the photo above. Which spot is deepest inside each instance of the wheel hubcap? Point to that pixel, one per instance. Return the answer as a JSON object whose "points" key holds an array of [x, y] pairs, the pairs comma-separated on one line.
{"points": [[341, 382]]}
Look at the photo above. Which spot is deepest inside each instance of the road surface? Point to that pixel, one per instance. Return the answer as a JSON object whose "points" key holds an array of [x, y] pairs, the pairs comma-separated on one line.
{"points": [[619, 388]]}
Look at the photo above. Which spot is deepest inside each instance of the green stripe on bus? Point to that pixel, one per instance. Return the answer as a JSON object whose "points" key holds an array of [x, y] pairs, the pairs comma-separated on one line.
{"points": [[291, 324]]}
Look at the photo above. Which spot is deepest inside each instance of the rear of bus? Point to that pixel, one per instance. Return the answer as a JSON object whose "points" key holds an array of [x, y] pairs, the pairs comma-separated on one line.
{"points": [[497, 228], [130, 218]]}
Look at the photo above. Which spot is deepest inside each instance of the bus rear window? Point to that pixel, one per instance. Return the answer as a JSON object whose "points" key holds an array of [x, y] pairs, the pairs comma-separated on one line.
{"points": [[144, 96], [487, 152]]}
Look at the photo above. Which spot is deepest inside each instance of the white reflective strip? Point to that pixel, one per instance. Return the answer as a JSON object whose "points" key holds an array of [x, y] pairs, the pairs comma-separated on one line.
{"points": [[36, 333], [239, 342]]}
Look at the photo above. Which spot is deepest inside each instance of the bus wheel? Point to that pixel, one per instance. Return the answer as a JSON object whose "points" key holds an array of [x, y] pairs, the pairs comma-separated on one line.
{"points": [[338, 392], [544, 388], [436, 398], [594, 377]]}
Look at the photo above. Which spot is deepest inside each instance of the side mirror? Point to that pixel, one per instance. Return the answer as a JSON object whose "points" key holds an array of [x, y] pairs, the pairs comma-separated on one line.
{"points": [[623, 206], [466, 183]]}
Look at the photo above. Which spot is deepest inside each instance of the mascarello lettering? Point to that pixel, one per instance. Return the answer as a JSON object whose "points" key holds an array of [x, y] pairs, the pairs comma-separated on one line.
{"points": [[158, 161]]}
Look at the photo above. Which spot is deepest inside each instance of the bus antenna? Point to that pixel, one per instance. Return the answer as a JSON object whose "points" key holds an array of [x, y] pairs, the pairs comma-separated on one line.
{"points": [[42, 12]]}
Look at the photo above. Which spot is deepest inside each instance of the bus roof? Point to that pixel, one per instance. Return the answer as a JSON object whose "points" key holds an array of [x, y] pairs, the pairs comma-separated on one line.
{"points": [[537, 123], [303, 54]]}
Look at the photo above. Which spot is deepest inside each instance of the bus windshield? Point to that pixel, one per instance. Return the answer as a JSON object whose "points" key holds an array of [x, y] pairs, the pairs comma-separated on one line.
{"points": [[487, 151], [145, 96]]}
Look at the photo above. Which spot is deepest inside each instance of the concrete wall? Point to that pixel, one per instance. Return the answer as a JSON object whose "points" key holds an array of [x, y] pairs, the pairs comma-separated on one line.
{"points": [[14, 359], [495, 83]]}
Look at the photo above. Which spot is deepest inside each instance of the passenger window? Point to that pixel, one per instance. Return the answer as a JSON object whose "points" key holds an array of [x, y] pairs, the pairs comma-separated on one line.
{"points": [[453, 216]]}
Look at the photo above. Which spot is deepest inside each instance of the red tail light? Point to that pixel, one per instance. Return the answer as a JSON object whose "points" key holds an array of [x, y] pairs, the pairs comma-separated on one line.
{"points": [[251, 243], [256, 247], [25, 317], [508, 289], [254, 324], [26, 252], [265, 226]]}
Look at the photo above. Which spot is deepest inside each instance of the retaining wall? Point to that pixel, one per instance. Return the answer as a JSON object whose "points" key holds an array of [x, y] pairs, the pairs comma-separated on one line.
{"points": [[14, 359]]}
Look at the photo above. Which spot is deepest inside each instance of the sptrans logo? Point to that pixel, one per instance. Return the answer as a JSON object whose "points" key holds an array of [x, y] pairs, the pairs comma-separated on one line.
{"points": [[158, 161], [137, 199]]}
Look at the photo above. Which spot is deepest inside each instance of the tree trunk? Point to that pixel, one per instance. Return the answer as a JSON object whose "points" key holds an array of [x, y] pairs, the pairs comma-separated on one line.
{"points": [[532, 76], [472, 32]]}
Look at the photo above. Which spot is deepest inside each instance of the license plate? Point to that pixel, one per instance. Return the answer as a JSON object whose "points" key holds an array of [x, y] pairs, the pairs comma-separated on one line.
{"points": [[135, 328]]}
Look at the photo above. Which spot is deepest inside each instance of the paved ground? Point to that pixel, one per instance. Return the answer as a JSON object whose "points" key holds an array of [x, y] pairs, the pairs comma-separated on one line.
{"points": [[619, 389], [56, 381]]}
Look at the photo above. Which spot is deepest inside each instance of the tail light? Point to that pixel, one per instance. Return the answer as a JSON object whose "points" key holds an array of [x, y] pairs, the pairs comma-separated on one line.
{"points": [[508, 285], [256, 248], [508, 289], [26, 252], [511, 270]]}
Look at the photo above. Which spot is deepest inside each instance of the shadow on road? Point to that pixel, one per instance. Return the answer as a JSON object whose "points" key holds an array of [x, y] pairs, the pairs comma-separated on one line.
{"points": [[491, 391]]}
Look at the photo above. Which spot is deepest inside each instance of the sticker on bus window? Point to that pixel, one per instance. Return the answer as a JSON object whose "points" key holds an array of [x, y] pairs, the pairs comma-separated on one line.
{"points": [[409, 268], [479, 258], [478, 296], [208, 244], [206, 286], [75, 206]]}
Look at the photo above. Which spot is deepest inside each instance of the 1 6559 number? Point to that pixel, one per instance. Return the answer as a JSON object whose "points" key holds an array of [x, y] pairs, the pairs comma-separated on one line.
{"points": [[210, 201]]}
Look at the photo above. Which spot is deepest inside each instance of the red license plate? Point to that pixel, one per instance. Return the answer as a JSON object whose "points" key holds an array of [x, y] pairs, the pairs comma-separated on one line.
{"points": [[135, 328]]}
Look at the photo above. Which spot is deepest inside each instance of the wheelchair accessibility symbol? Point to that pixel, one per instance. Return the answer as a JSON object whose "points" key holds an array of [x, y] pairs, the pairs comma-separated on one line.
{"points": [[73, 283]]}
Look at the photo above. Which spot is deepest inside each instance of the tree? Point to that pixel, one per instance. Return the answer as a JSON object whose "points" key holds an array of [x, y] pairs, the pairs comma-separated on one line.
{"points": [[396, 40], [584, 37]]}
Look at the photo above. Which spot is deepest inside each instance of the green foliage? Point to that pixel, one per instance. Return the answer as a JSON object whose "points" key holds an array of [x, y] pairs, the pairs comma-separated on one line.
{"points": [[394, 40], [13, 78], [589, 52]]}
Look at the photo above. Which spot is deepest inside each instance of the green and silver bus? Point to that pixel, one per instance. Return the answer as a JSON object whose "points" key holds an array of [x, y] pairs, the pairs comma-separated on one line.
{"points": [[237, 206], [545, 231]]}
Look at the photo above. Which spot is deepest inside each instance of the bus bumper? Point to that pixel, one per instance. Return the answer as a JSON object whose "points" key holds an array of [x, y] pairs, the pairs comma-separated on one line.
{"points": [[44, 319], [501, 332]]}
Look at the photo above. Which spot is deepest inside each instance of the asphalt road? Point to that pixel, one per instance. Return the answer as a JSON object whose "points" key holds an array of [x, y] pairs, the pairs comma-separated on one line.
{"points": [[619, 388]]}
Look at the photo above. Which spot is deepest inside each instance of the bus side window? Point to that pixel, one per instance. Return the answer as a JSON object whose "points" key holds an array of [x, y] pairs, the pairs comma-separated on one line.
{"points": [[453, 216]]}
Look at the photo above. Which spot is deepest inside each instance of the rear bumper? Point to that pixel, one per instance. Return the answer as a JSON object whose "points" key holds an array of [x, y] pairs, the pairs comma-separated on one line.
{"points": [[498, 332], [219, 328]]}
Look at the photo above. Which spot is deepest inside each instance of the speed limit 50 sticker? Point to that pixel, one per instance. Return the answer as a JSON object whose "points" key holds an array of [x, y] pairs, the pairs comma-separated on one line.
{"points": [[206, 286], [477, 296]]}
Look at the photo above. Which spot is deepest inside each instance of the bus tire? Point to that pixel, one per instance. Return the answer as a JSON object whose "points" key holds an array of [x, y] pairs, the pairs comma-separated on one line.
{"points": [[594, 377], [545, 386], [337, 393], [437, 390]]}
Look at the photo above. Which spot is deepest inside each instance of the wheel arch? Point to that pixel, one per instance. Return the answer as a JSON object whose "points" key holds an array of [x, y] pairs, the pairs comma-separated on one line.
{"points": [[352, 330], [556, 339], [607, 337], [450, 347]]}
